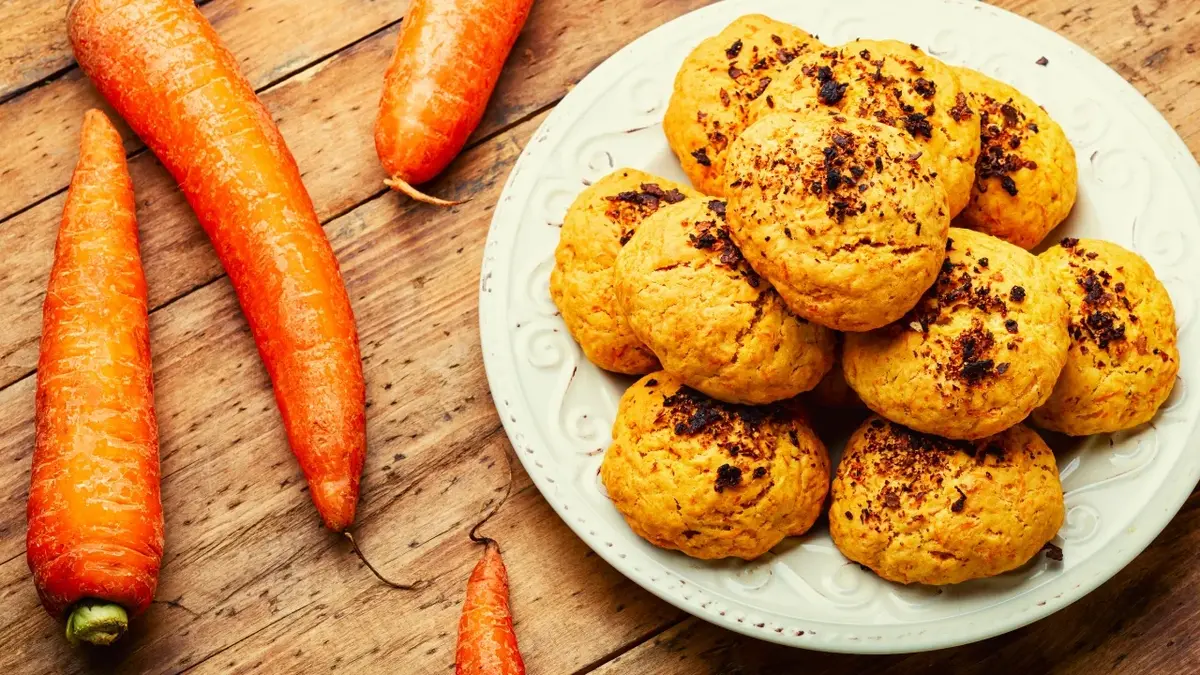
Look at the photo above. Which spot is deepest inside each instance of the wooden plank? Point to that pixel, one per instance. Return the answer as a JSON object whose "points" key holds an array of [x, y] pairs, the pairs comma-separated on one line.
{"points": [[326, 113], [246, 559], [1132, 624], [33, 43], [271, 38], [1151, 43]]}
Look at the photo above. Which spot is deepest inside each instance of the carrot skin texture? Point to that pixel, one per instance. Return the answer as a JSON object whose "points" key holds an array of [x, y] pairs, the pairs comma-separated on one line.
{"points": [[164, 69], [95, 517], [447, 61], [487, 643]]}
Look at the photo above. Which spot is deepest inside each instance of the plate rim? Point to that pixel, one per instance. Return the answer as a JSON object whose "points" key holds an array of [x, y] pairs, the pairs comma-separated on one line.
{"points": [[1024, 608]]}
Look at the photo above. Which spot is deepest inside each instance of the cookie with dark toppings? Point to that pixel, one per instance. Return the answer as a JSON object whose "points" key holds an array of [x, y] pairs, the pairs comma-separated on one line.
{"points": [[894, 83], [979, 352], [689, 296], [844, 216], [1026, 177], [715, 87], [599, 222], [712, 479], [921, 509], [1124, 355]]}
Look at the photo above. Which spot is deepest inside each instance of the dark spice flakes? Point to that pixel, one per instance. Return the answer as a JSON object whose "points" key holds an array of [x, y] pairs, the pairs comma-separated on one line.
{"points": [[959, 503], [728, 476]]}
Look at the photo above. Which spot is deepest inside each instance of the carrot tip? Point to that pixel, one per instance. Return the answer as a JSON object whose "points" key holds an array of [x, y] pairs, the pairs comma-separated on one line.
{"points": [[402, 186], [96, 622]]}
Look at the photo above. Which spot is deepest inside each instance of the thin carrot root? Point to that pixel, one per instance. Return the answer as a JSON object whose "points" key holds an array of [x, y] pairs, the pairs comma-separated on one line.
{"points": [[399, 184], [96, 622], [475, 537], [403, 587], [474, 533]]}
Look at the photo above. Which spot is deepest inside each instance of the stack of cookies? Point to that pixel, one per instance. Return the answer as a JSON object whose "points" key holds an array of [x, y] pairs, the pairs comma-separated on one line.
{"points": [[859, 229]]}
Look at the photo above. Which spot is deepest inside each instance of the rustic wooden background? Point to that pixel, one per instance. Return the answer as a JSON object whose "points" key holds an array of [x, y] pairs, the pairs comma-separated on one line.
{"points": [[250, 581]]}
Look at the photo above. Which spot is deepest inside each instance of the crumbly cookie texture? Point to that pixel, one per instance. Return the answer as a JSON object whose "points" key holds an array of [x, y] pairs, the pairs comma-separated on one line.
{"points": [[1026, 178], [977, 354], [712, 321], [843, 216], [893, 83], [1123, 357], [921, 509], [711, 479], [599, 222], [715, 87]]}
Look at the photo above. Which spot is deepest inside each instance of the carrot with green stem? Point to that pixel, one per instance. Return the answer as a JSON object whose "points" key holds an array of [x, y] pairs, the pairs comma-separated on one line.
{"points": [[447, 61], [163, 68], [95, 537]]}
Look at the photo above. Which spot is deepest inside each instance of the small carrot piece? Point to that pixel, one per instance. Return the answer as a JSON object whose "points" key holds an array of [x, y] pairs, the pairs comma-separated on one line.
{"points": [[487, 642], [448, 59], [165, 71], [95, 537]]}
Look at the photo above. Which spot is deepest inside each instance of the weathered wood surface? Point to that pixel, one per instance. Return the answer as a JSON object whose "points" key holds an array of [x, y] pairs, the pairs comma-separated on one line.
{"points": [[250, 581]]}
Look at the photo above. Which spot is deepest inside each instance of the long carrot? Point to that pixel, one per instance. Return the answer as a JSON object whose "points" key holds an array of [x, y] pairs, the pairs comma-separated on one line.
{"points": [[487, 642], [164, 69], [447, 61], [95, 536]]}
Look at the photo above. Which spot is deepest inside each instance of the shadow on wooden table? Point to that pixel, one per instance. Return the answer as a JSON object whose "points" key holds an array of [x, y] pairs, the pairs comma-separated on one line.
{"points": [[1097, 634]]}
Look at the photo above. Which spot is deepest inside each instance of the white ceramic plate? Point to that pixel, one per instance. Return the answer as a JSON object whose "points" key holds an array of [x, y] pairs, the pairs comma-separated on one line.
{"points": [[1138, 186]]}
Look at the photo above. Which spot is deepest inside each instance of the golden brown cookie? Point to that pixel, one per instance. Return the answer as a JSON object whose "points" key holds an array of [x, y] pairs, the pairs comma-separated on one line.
{"points": [[709, 318], [977, 354], [1123, 358], [711, 479], [600, 221], [921, 509], [842, 215], [894, 83], [1025, 181], [715, 87]]}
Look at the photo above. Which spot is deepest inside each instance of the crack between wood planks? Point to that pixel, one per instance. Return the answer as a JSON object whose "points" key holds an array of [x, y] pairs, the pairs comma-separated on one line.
{"points": [[499, 131], [248, 636], [630, 646]]}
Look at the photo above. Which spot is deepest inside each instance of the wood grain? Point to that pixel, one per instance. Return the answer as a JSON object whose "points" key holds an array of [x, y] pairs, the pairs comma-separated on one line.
{"points": [[251, 583], [33, 44]]}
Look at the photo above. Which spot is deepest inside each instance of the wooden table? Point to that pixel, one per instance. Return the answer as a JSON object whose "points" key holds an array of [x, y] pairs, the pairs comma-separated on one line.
{"points": [[250, 581]]}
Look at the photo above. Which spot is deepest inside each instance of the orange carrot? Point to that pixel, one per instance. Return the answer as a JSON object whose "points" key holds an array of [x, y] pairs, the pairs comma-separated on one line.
{"points": [[447, 61], [95, 536], [164, 69], [487, 642]]}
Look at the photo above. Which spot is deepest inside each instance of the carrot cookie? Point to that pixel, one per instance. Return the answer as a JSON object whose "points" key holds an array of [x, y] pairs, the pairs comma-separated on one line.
{"points": [[1123, 358], [709, 318], [711, 479], [715, 87], [600, 221], [843, 216], [977, 354], [921, 509], [893, 83], [1025, 181]]}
